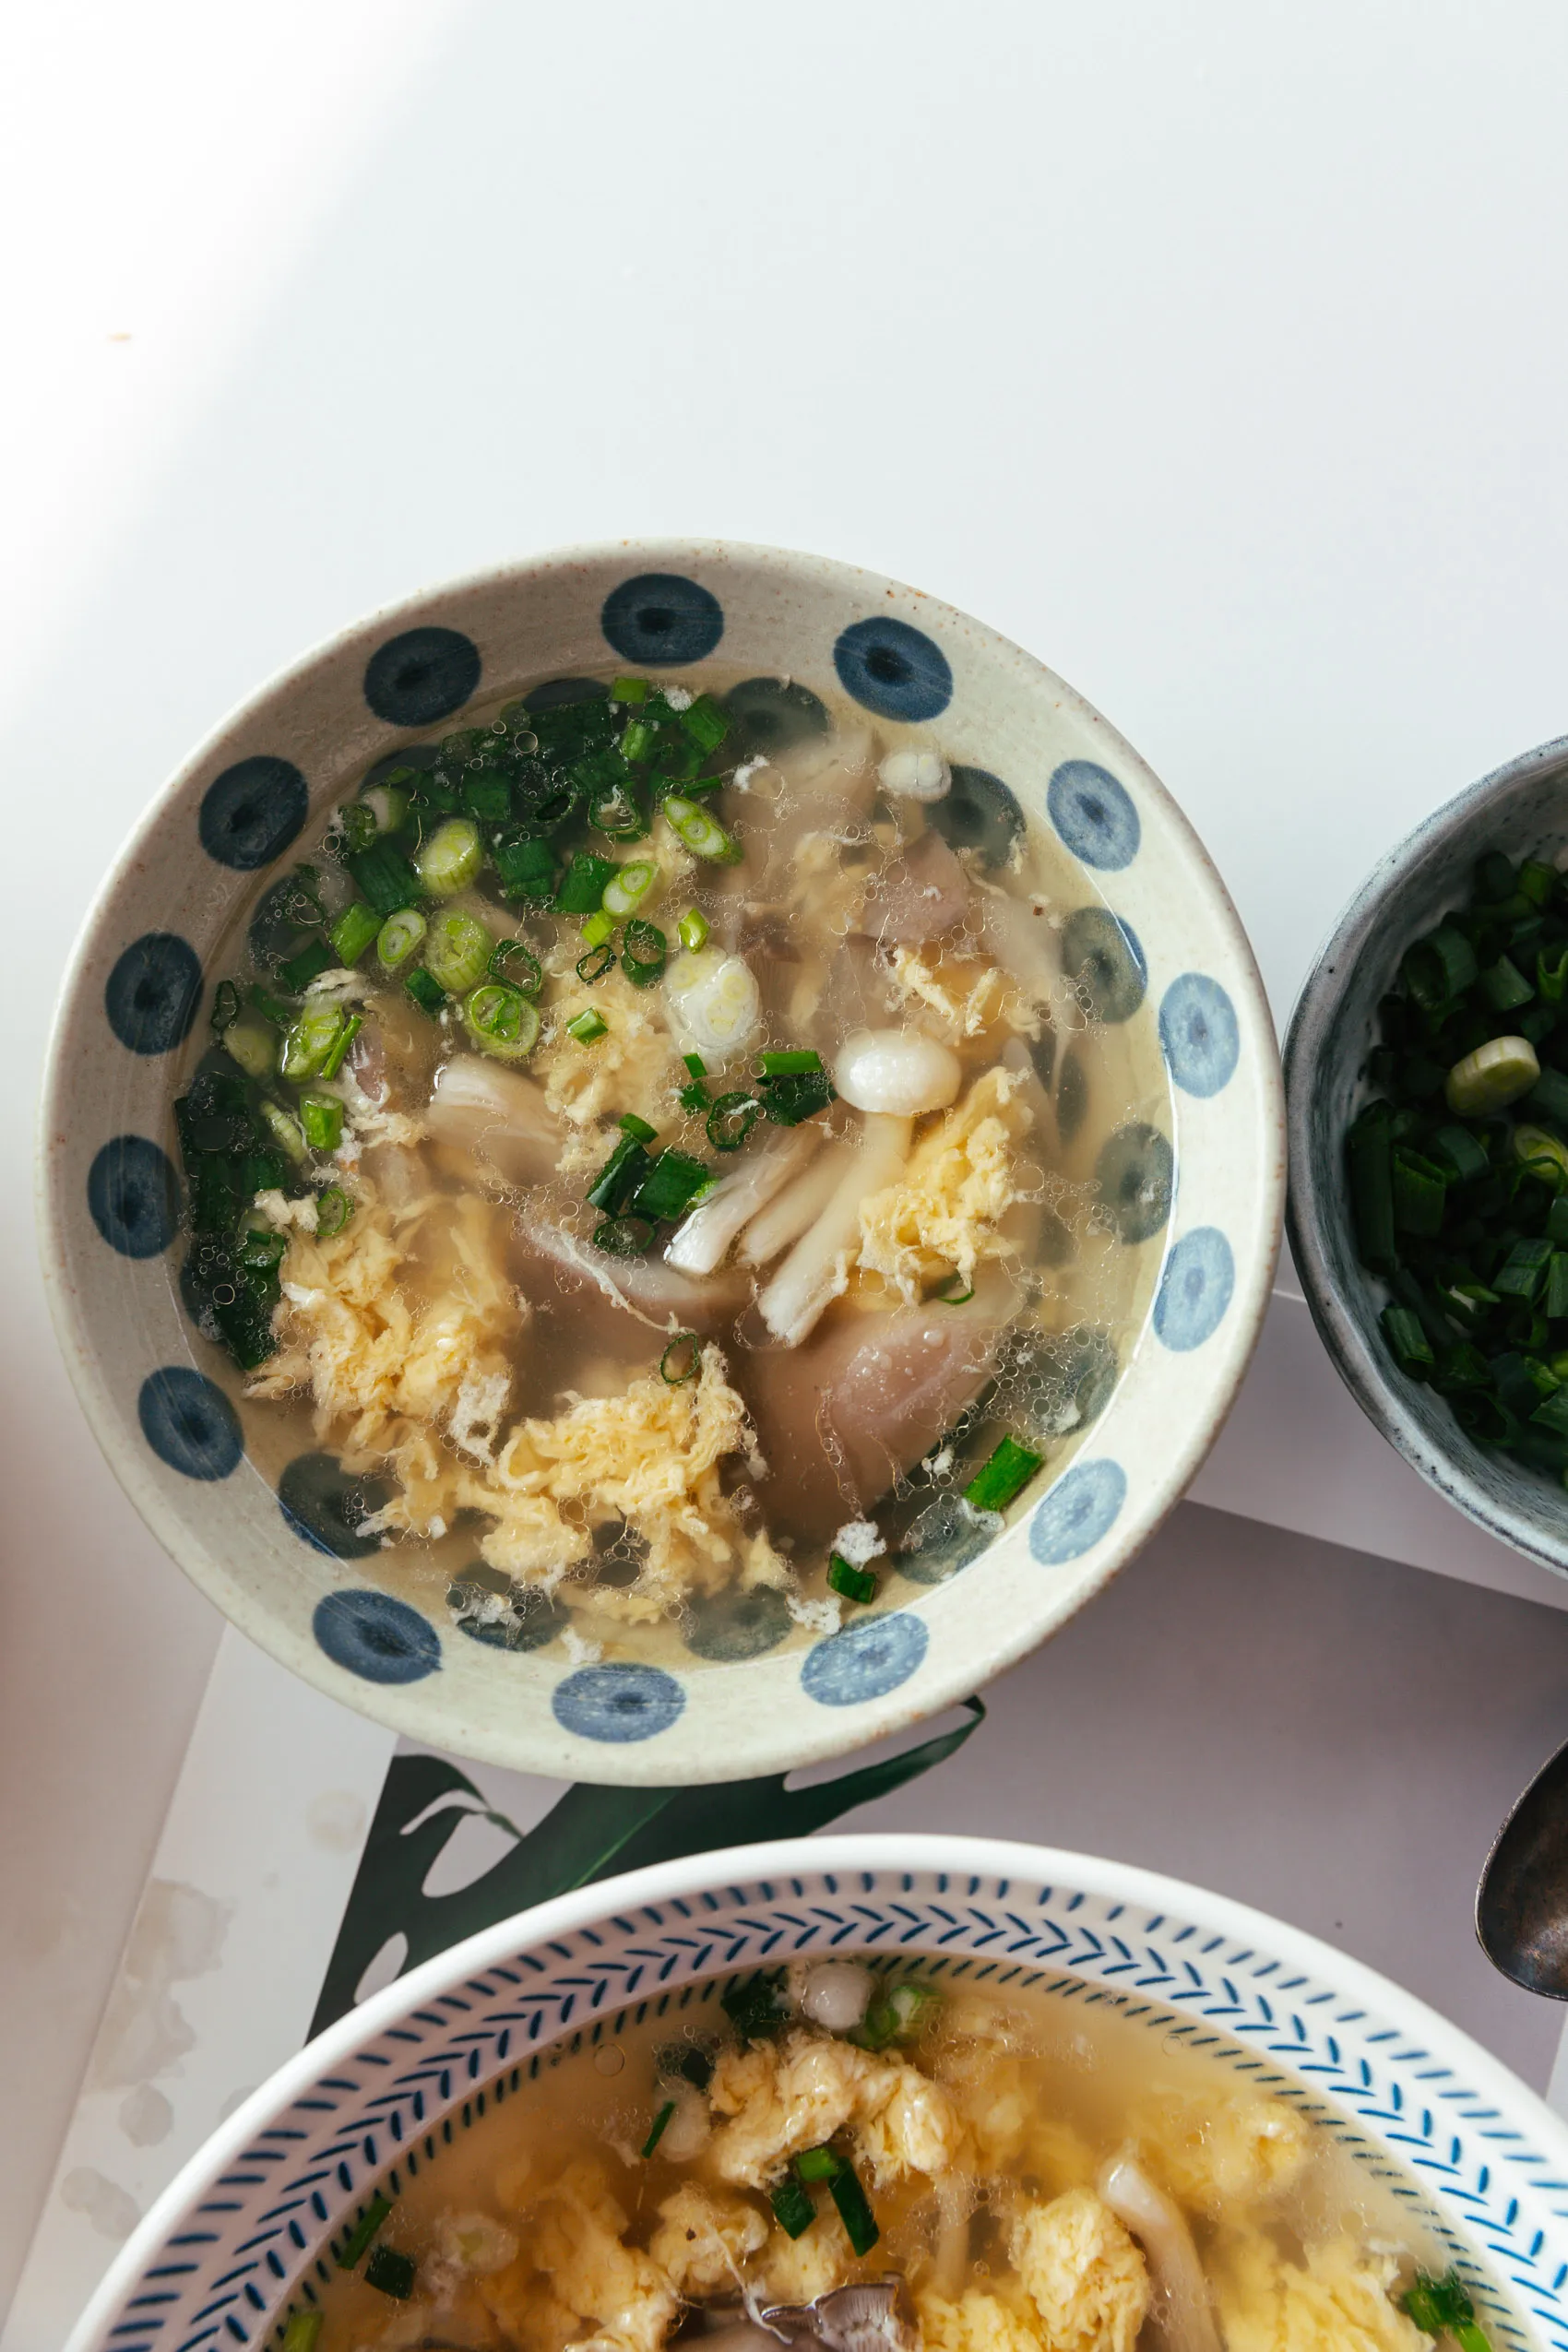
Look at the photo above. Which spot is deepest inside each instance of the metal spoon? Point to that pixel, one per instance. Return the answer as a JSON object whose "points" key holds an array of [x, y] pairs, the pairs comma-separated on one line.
{"points": [[1522, 1901]]}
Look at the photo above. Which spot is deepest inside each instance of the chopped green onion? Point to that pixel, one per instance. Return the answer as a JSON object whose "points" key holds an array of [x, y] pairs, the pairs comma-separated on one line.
{"points": [[1420, 1189], [948, 1296], [701, 831], [818, 2164], [705, 722], [671, 1185], [485, 792], [311, 1038], [1504, 987], [338, 1052], [353, 932], [398, 937], [755, 2007], [1411, 1348], [500, 1021], [321, 1116], [1534, 880], [617, 812], [787, 1065], [795, 1095], [731, 1120], [1556, 1300], [308, 964], [628, 886], [359, 2237], [597, 929], [792, 2208], [583, 883], [1554, 1413], [302, 2331], [644, 950], [660, 2122], [854, 2211], [1542, 1153], [457, 950], [696, 1096], [624, 1237], [357, 828], [1549, 1097], [426, 991], [450, 860], [387, 878], [1494, 876], [1492, 1076], [393, 2273], [251, 1042], [516, 963], [595, 964], [629, 690], [226, 1005], [525, 866], [1460, 1154], [855, 1584], [693, 928], [638, 1129], [1551, 974], [1522, 1273], [587, 1027], [639, 740], [686, 1350], [1439, 967], [1370, 1149], [387, 805], [695, 1064], [333, 1210], [622, 1173], [1003, 1477], [898, 2015]]}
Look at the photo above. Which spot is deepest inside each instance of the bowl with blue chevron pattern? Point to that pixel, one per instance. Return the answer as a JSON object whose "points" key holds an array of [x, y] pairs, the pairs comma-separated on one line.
{"points": [[273, 1544], [243, 2239]]}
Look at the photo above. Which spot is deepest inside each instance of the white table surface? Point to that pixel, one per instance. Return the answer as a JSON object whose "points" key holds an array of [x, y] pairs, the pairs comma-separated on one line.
{"points": [[1217, 354]]}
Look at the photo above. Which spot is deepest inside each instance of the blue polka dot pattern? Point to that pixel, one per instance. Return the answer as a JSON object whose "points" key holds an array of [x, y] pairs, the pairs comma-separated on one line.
{"points": [[898, 671], [251, 813], [189, 1422], [133, 1197], [152, 994], [422, 676], [555, 691], [379, 1639], [1135, 1180], [618, 1703], [865, 1660], [660, 619], [1079, 1509], [326, 1508], [1094, 815], [727, 1627], [1199, 1034], [1194, 1291], [1104, 958]]}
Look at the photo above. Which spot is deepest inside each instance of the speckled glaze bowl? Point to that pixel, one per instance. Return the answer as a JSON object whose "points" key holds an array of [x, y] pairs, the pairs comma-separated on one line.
{"points": [[296, 1578], [1520, 808], [244, 2236]]}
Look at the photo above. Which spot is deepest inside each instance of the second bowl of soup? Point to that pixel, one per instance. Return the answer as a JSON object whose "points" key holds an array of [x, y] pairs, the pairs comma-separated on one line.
{"points": [[660, 1162]]}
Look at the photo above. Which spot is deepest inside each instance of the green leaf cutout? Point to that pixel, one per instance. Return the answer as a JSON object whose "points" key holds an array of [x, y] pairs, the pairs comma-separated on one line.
{"points": [[591, 1833]]}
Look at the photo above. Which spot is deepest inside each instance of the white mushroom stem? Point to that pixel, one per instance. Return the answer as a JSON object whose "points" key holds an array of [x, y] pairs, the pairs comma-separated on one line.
{"points": [[702, 1241], [817, 1268], [786, 1219], [1187, 2314], [480, 1106]]}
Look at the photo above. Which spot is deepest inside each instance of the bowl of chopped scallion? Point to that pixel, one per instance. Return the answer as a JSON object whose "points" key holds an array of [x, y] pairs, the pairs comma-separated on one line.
{"points": [[1427, 1081]]}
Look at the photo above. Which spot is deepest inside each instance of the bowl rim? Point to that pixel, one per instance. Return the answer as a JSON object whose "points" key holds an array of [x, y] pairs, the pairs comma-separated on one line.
{"points": [[940, 1686], [1369, 1379], [691, 1876]]}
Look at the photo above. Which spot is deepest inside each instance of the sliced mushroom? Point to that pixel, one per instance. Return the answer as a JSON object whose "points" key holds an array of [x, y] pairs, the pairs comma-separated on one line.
{"points": [[1183, 2313], [917, 896], [707, 1233], [786, 1217], [814, 1273], [479, 1106], [875, 2317]]}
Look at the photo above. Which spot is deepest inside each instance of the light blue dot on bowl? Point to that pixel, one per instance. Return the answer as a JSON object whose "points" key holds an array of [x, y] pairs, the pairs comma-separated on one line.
{"points": [[894, 669], [252, 812], [661, 618], [1134, 1180], [1194, 1289], [133, 1195], [420, 676], [377, 1637], [151, 995], [865, 1660], [1198, 1034], [618, 1703], [1094, 815], [1080, 1508], [189, 1422], [1103, 956]]}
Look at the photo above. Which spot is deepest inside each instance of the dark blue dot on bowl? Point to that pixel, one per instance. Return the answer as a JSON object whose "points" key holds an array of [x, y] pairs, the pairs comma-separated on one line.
{"points": [[978, 812], [1102, 957], [555, 693], [326, 1507], [772, 715], [660, 618], [942, 1539], [1094, 815], [1198, 1034], [1196, 1288], [408, 755], [1135, 1181], [1072, 1097], [420, 676], [894, 669], [377, 1637], [865, 1660], [727, 1627], [532, 1617], [251, 813], [133, 1197], [152, 994], [1081, 1508], [618, 1703], [189, 1422]]}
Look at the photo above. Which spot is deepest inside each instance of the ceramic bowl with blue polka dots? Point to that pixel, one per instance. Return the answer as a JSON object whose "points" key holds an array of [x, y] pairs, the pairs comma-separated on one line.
{"points": [[1194, 1187], [245, 2237]]}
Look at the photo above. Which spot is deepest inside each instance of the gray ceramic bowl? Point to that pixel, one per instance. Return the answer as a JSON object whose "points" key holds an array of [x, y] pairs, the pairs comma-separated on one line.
{"points": [[1520, 807]]}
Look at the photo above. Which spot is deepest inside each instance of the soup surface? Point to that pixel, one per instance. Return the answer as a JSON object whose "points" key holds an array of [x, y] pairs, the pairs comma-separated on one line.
{"points": [[1020, 2171], [666, 1162]]}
